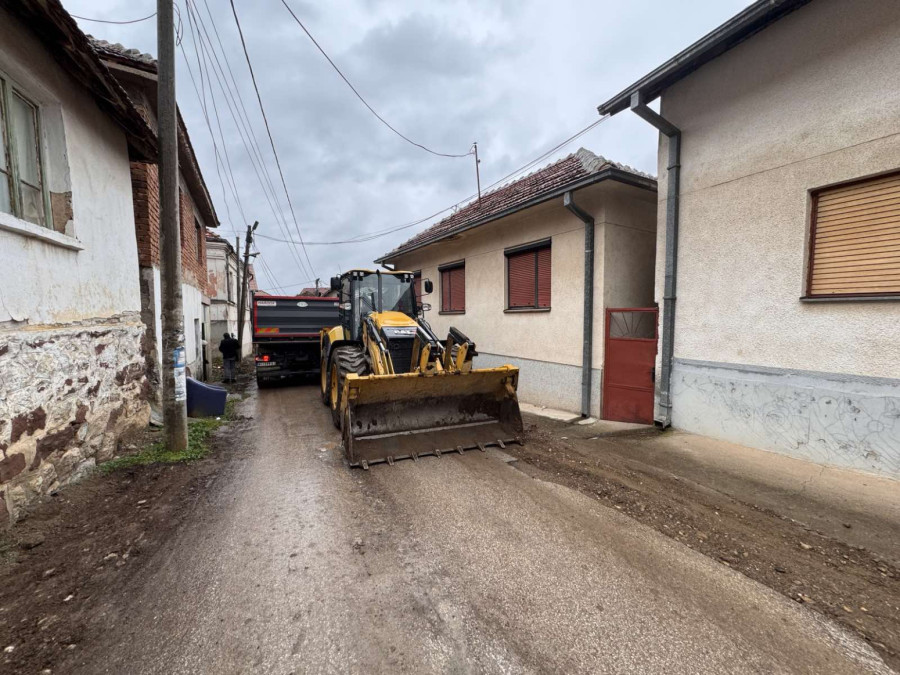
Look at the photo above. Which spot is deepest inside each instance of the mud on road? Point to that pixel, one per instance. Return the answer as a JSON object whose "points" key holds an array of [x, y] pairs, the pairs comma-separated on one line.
{"points": [[848, 583], [81, 551]]}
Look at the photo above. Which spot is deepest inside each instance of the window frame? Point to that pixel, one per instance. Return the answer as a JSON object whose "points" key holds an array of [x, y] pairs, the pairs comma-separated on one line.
{"points": [[8, 89], [530, 247], [449, 267], [808, 295]]}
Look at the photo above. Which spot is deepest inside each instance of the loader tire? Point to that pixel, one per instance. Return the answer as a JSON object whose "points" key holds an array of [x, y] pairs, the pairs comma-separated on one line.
{"points": [[323, 385], [344, 360]]}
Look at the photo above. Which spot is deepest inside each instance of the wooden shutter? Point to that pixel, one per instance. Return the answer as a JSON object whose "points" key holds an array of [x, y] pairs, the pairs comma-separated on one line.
{"points": [[417, 286], [520, 267], [543, 277], [856, 239]]}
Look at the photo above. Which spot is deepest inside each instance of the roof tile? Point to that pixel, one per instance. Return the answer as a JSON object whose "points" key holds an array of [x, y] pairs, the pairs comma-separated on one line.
{"points": [[553, 177]]}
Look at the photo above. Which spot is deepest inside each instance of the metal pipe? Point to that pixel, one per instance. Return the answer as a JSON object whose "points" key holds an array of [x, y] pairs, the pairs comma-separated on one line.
{"points": [[588, 342], [673, 172]]}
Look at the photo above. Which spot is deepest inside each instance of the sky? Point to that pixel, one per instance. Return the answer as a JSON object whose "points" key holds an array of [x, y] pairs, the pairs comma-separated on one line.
{"points": [[518, 77]]}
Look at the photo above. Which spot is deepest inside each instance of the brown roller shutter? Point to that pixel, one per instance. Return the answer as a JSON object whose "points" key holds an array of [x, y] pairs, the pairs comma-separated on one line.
{"points": [[458, 289], [543, 277], [453, 289], [445, 290], [521, 280], [528, 278], [856, 239]]}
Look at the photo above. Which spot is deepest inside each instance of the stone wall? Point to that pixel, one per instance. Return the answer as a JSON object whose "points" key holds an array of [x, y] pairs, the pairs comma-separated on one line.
{"points": [[66, 396]]}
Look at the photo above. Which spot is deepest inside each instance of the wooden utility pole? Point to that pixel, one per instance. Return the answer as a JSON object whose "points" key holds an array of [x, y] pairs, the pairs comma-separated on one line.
{"points": [[245, 286], [174, 394]]}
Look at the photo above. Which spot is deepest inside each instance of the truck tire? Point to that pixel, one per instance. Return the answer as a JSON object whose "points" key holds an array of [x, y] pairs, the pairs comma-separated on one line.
{"points": [[345, 359], [325, 374]]}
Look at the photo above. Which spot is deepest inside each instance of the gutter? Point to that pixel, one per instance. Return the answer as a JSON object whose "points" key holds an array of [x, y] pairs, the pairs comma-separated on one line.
{"points": [[588, 313], [673, 173], [612, 173]]}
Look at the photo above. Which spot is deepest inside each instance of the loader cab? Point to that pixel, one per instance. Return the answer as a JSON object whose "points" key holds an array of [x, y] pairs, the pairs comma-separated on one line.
{"points": [[363, 292]]}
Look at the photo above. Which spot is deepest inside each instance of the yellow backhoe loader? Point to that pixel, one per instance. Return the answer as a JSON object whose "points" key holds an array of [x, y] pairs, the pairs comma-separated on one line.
{"points": [[395, 390]]}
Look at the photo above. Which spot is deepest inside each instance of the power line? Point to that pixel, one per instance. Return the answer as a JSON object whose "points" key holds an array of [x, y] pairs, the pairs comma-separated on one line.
{"points": [[243, 127], [382, 233], [120, 23], [358, 95], [269, 132]]}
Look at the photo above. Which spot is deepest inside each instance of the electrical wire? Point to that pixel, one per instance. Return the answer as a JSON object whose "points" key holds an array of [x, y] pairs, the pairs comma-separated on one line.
{"points": [[382, 233], [248, 142], [262, 110], [360, 96], [119, 23]]}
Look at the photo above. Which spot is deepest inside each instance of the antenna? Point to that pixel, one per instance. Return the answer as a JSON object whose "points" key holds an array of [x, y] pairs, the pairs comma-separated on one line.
{"points": [[477, 172]]}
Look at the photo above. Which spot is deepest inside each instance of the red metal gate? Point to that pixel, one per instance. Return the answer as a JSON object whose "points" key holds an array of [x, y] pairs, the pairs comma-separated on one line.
{"points": [[628, 364]]}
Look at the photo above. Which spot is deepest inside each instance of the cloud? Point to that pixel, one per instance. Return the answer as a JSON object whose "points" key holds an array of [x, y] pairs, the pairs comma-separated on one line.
{"points": [[518, 77]]}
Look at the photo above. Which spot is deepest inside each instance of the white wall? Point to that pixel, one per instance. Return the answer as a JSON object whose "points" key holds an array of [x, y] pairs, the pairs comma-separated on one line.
{"points": [[42, 282], [192, 303], [811, 101]]}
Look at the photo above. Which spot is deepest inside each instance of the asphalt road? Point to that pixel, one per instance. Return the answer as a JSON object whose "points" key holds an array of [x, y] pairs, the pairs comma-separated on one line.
{"points": [[297, 564]]}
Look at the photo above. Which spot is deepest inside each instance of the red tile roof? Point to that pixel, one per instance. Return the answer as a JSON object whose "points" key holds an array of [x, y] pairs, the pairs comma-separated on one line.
{"points": [[576, 168]]}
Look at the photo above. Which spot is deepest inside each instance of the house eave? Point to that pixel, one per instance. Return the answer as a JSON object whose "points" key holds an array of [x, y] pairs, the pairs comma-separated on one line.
{"points": [[610, 173], [747, 23]]}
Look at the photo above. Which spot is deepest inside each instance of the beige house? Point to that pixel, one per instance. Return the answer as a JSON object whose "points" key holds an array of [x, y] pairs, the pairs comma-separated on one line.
{"points": [[509, 271], [780, 238]]}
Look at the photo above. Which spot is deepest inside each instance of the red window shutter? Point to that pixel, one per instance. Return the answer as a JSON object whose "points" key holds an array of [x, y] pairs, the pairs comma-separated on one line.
{"points": [[543, 277], [417, 286], [520, 269], [458, 289], [445, 290]]}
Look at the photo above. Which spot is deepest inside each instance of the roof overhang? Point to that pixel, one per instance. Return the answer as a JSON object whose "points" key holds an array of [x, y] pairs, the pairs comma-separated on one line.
{"points": [[755, 18], [71, 49], [133, 73], [610, 173]]}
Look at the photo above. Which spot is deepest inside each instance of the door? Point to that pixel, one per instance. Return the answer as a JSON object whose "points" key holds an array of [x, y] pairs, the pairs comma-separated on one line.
{"points": [[628, 364]]}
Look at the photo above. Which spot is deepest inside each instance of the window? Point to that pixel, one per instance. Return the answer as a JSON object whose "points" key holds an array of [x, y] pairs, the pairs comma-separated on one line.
{"points": [[198, 236], [528, 276], [229, 282], [21, 175], [453, 287], [855, 239]]}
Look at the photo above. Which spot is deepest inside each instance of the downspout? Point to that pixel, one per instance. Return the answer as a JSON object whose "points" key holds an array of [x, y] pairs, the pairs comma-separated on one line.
{"points": [[673, 172], [588, 343]]}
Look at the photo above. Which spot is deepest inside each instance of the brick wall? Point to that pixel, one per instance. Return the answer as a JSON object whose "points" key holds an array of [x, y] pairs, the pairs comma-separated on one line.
{"points": [[145, 190]]}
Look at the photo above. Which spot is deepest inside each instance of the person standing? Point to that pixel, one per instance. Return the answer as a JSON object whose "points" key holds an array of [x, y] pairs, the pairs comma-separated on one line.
{"points": [[229, 348]]}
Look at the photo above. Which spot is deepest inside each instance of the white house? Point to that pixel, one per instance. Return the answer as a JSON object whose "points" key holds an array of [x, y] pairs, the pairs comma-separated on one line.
{"points": [[222, 266], [136, 73], [778, 262], [71, 367], [531, 272]]}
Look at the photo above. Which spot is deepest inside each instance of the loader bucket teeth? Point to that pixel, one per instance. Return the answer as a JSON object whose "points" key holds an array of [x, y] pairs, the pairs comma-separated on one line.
{"points": [[390, 417]]}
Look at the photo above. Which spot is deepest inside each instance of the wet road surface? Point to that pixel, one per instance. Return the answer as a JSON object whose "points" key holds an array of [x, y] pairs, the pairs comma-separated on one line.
{"points": [[297, 564]]}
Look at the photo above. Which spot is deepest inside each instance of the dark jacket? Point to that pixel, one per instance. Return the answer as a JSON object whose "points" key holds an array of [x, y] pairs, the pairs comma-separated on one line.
{"points": [[229, 348]]}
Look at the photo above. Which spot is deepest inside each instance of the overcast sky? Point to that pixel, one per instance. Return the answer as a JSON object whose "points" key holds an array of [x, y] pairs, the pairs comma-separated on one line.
{"points": [[516, 76]]}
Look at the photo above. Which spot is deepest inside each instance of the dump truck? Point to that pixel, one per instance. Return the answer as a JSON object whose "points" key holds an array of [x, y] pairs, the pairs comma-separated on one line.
{"points": [[286, 333], [397, 391]]}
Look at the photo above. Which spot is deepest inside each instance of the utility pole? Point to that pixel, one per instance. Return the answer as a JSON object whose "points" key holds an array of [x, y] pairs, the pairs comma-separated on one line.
{"points": [[245, 287], [477, 171], [174, 394]]}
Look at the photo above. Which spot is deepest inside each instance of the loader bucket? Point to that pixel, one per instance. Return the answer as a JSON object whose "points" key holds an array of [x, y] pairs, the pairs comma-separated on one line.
{"points": [[407, 416]]}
